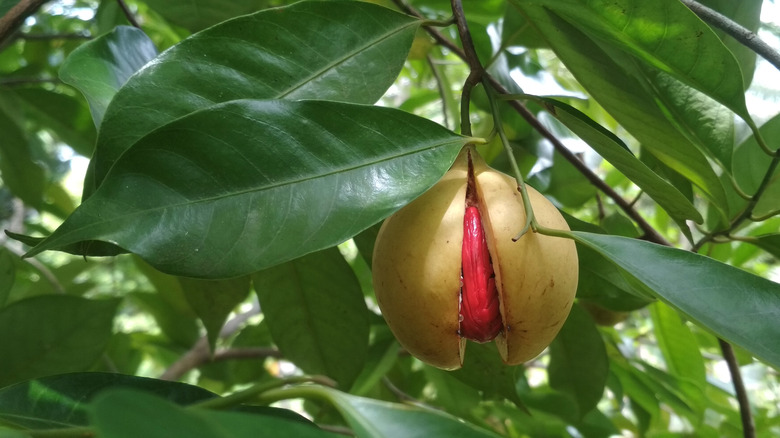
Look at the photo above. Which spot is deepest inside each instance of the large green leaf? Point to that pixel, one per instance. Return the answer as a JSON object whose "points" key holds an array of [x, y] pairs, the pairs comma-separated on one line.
{"points": [[626, 99], [737, 306], [248, 184], [51, 334], [100, 67], [123, 413], [666, 35], [615, 151], [317, 315], [62, 400], [345, 51], [579, 342]]}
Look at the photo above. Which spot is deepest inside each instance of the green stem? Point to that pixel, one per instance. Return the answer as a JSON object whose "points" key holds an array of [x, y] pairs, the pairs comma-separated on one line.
{"points": [[258, 392], [530, 220], [439, 23]]}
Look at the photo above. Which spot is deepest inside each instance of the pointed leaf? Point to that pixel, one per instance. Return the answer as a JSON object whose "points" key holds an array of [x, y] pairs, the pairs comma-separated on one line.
{"points": [[249, 184], [345, 51], [67, 333], [612, 149], [98, 68], [737, 306], [62, 400], [317, 315], [751, 164]]}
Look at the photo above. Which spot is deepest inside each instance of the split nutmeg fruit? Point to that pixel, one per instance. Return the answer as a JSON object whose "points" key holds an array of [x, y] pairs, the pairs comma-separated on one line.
{"points": [[446, 268]]}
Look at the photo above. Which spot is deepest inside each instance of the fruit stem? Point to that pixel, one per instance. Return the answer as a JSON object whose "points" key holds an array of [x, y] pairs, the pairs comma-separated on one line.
{"points": [[530, 219]]}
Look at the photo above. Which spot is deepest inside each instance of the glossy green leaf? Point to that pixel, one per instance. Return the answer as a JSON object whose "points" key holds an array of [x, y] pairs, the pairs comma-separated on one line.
{"points": [[579, 342], [249, 184], [737, 306], [345, 51], [100, 67], [213, 300], [67, 334], [20, 173], [625, 98], [62, 400], [382, 355], [316, 313], [454, 396], [371, 418], [666, 35], [678, 345], [123, 413], [612, 149]]}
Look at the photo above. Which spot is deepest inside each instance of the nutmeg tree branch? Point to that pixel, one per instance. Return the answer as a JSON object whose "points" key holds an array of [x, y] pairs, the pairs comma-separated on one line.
{"points": [[15, 16], [128, 13]]}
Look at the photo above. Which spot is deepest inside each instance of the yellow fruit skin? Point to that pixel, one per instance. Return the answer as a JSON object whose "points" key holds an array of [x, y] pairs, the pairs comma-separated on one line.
{"points": [[417, 262]]}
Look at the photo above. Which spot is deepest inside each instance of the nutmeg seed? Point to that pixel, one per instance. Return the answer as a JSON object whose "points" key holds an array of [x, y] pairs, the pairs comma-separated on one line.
{"points": [[419, 259]]}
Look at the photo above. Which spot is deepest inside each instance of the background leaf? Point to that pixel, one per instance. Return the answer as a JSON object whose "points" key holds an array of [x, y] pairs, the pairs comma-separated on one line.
{"points": [[74, 336], [213, 300], [222, 180], [346, 51], [578, 361], [316, 314]]}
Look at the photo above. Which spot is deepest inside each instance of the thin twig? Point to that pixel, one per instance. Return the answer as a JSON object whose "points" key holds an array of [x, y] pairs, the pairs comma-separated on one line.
{"points": [[128, 14], [748, 427], [744, 36], [475, 67], [15, 16]]}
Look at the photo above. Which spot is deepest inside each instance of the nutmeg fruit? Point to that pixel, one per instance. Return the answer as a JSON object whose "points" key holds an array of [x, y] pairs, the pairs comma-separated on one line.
{"points": [[445, 268]]}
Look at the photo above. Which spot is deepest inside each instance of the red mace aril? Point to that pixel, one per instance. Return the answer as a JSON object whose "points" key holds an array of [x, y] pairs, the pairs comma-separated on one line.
{"points": [[446, 269], [479, 306]]}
